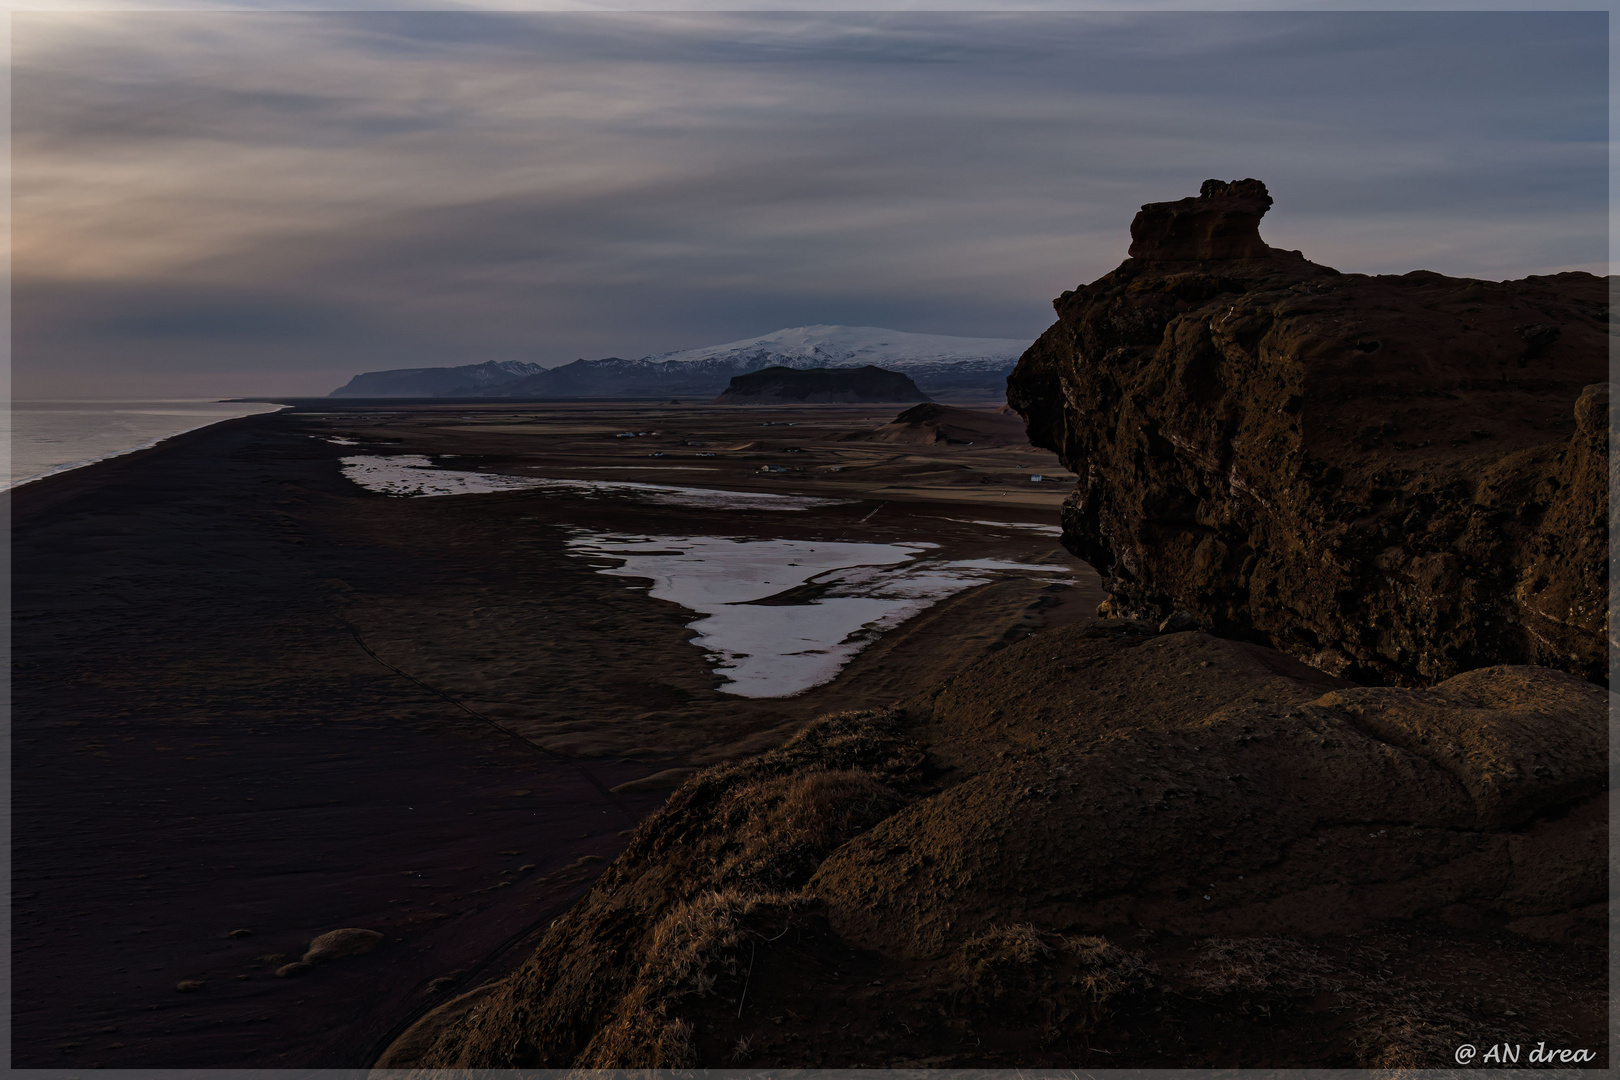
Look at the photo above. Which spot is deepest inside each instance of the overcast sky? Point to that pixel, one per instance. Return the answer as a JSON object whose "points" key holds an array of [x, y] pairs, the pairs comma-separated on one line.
{"points": [[214, 203]]}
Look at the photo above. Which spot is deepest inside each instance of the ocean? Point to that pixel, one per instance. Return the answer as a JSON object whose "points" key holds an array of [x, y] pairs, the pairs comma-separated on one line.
{"points": [[46, 437]]}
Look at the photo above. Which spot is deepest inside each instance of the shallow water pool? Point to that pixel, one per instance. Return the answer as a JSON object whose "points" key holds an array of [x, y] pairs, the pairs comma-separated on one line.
{"points": [[766, 644]]}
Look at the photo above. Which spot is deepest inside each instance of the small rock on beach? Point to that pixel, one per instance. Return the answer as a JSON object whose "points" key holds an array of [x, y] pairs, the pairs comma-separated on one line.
{"points": [[350, 941]]}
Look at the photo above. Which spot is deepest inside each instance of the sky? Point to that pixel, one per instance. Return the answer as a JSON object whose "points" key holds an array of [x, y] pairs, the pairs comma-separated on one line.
{"points": [[241, 202]]}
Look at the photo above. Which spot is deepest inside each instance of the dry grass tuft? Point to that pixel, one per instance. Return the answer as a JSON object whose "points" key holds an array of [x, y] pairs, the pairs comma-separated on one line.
{"points": [[1107, 971], [860, 739], [696, 943], [1262, 965], [693, 948], [783, 827], [767, 822], [1017, 960], [673, 1046], [1017, 944]]}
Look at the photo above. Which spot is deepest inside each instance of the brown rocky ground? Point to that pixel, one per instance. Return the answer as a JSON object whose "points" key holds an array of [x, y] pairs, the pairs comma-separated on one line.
{"points": [[1105, 847], [1395, 477]]}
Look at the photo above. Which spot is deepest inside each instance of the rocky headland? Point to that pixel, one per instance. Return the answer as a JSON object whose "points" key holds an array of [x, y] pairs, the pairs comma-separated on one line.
{"points": [[1326, 787], [1396, 478]]}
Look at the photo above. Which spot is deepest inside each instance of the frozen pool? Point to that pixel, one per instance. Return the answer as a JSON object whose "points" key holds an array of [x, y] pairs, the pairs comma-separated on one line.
{"points": [[768, 645], [415, 476]]}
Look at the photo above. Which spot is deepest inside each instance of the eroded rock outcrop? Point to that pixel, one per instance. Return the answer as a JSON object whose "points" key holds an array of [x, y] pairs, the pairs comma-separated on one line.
{"points": [[1221, 223], [1396, 478], [1158, 850]]}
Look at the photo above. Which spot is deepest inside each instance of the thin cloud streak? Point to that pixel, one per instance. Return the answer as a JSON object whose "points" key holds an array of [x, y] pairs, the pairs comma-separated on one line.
{"points": [[292, 198]]}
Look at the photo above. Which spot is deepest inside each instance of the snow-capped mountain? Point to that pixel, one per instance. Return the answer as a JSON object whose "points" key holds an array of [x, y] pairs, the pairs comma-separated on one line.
{"points": [[961, 367], [953, 366], [854, 346]]}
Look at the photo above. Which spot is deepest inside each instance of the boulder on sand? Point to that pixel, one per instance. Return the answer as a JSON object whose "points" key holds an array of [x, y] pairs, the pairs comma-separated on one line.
{"points": [[350, 941], [333, 945]]}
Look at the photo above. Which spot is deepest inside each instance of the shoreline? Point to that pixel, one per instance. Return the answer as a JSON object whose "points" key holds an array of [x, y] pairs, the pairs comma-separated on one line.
{"points": [[41, 493], [202, 746], [159, 787], [152, 444]]}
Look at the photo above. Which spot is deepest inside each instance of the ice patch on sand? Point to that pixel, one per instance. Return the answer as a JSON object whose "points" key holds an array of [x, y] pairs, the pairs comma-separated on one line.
{"points": [[766, 649], [415, 476]]}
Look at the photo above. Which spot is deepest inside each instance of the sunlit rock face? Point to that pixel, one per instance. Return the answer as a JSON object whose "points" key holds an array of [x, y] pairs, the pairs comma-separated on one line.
{"points": [[1393, 477]]}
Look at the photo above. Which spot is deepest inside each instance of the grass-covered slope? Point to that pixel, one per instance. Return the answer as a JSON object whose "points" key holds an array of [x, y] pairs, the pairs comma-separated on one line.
{"points": [[1098, 847]]}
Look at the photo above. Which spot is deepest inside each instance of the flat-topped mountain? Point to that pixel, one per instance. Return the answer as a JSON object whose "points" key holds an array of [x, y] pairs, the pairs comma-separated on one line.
{"points": [[774, 385]]}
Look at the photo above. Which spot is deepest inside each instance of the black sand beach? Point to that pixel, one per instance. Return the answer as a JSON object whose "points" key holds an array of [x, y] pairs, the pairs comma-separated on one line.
{"points": [[252, 697]]}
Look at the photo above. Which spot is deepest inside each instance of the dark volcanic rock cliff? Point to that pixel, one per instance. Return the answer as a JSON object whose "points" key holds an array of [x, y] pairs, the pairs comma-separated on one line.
{"points": [[1396, 478]]}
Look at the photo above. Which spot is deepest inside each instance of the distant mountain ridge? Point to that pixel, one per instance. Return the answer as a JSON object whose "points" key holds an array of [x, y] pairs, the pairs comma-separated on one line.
{"points": [[436, 382], [938, 364]]}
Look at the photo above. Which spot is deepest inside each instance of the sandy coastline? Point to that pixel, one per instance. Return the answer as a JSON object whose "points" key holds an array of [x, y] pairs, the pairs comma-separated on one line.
{"points": [[101, 430], [253, 696]]}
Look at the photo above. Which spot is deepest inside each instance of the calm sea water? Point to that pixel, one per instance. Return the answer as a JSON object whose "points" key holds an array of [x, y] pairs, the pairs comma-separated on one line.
{"points": [[48, 437]]}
